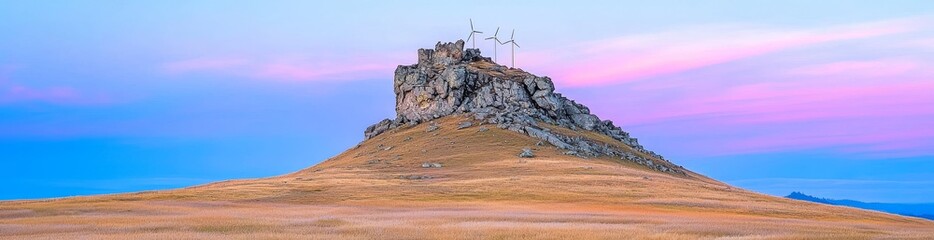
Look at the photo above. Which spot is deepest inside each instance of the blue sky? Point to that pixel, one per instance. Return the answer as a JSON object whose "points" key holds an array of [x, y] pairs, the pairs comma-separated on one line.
{"points": [[830, 98]]}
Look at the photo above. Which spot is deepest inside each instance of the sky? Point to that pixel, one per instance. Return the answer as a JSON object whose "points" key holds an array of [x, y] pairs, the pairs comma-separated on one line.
{"points": [[831, 98]]}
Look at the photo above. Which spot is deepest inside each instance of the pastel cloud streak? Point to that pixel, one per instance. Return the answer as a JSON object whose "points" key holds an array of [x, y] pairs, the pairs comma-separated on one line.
{"points": [[880, 67], [290, 69], [858, 110], [11, 92], [745, 91], [637, 57], [18, 93], [733, 83]]}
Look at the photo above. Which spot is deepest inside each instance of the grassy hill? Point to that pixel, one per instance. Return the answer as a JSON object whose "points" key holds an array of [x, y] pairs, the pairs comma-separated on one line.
{"points": [[383, 189]]}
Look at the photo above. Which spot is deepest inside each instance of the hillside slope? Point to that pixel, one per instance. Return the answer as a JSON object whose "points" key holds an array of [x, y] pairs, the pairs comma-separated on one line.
{"points": [[380, 189]]}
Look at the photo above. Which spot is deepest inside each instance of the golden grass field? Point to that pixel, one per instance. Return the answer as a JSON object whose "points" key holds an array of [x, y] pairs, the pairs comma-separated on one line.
{"points": [[379, 190]]}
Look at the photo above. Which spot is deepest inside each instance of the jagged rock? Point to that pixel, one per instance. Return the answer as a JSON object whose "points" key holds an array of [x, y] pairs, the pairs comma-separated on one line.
{"points": [[377, 128], [463, 125], [415, 177], [431, 165], [526, 153], [448, 80], [432, 128]]}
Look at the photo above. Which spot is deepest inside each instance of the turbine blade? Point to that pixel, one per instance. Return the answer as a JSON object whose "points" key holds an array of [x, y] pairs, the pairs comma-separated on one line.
{"points": [[517, 45], [471, 24], [477, 31], [469, 36], [513, 34], [497, 31], [489, 38]]}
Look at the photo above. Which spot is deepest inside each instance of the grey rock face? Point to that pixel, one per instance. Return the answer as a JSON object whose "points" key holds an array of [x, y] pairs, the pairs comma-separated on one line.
{"points": [[526, 153], [415, 177], [448, 80], [431, 165], [463, 125], [377, 128], [433, 127]]}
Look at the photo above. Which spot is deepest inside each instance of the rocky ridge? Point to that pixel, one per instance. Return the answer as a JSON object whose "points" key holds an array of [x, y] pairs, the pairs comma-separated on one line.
{"points": [[449, 80]]}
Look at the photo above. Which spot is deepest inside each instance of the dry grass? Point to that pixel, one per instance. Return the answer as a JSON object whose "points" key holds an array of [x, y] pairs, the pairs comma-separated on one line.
{"points": [[483, 192]]}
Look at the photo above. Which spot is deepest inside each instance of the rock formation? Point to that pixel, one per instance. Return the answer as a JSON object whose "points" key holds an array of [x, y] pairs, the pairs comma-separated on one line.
{"points": [[448, 80]]}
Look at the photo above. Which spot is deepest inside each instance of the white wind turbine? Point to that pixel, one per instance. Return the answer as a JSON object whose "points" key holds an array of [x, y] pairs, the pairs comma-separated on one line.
{"points": [[494, 44], [514, 46], [472, 36]]}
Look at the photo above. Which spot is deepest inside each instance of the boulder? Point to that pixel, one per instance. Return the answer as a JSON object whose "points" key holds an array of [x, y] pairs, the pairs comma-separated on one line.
{"points": [[431, 165], [433, 127], [526, 153], [463, 125]]}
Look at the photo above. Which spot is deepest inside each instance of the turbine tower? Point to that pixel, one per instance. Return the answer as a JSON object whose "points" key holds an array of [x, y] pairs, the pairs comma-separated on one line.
{"points": [[494, 44], [514, 46], [472, 36]]}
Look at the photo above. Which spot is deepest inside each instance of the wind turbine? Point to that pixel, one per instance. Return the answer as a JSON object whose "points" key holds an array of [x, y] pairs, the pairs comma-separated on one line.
{"points": [[494, 44], [472, 36], [514, 46]]}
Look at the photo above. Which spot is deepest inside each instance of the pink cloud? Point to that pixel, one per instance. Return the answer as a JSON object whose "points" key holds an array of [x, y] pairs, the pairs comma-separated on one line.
{"points": [[871, 68], [292, 69], [917, 146], [869, 102], [16, 93], [22, 93], [631, 58], [843, 137], [301, 71], [11, 92], [765, 117], [924, 44], [759, 103]]}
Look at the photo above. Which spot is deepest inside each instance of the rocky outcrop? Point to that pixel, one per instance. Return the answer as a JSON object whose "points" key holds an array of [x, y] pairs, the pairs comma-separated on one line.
{"points": [[526, 153], [449, 80]]}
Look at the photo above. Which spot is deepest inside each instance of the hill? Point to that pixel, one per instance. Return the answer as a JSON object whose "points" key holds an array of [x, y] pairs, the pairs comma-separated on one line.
{"points": [[921, 210], [449, 167]]}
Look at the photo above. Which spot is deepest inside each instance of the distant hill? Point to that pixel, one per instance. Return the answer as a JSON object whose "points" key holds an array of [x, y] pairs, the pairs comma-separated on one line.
{"points": [[921, 210]]}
